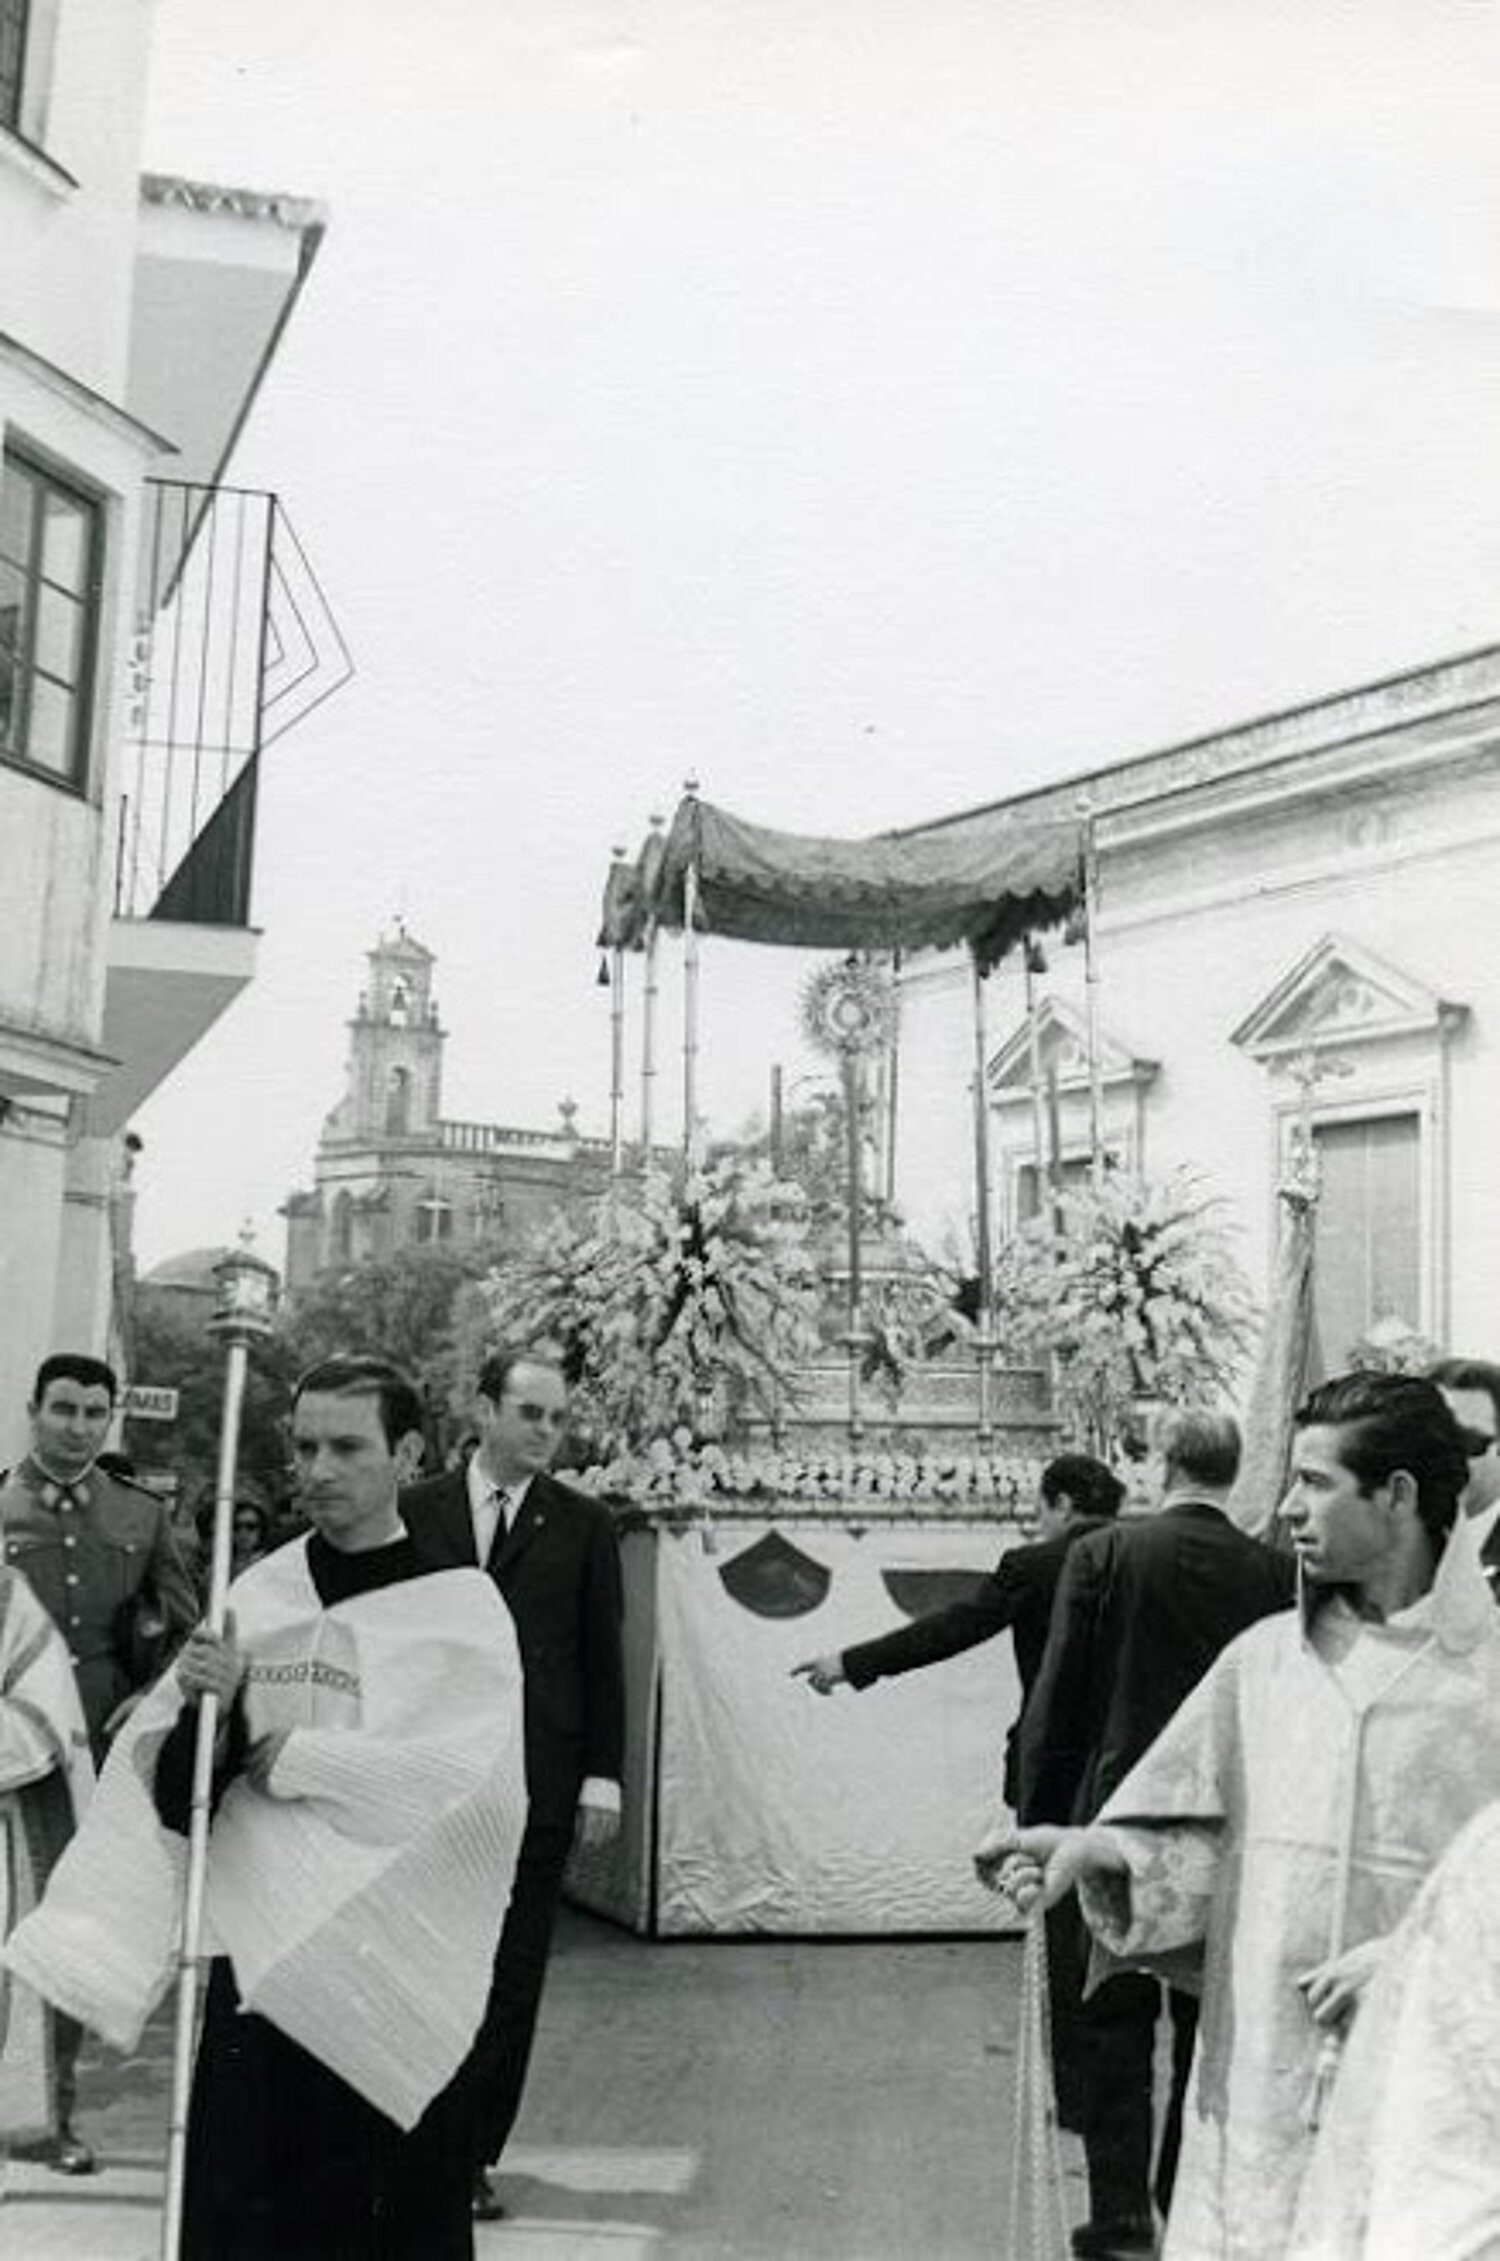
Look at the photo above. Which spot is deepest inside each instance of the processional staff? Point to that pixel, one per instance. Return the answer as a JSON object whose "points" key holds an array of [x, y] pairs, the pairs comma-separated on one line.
{"points": [[247, 1289]]}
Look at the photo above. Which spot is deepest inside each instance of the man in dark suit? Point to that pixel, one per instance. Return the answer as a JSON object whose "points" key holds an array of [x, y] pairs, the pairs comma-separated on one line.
{"points": [[553, 1554], [1078, 1495], [1471, 1391], [1142, 1610]]}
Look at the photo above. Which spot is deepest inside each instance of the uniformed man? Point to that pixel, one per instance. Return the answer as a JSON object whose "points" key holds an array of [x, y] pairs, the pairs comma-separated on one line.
{"points": [[98, 1553]]}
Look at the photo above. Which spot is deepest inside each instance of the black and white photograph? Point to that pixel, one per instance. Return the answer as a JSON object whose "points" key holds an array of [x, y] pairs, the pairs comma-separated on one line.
{"points": [[749, 1033]]}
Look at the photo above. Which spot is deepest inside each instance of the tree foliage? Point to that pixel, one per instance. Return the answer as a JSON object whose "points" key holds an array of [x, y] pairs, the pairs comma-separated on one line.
{"points": [[673, 1306], [173, 1349], [400, 1307]]}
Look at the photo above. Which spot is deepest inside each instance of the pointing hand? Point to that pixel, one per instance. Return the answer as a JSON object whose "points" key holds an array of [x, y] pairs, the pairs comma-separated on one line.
{"points": [[822, 1673]]}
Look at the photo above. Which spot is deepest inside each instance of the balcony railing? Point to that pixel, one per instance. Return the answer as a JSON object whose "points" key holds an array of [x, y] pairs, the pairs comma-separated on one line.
{"points": [[236, 645]]}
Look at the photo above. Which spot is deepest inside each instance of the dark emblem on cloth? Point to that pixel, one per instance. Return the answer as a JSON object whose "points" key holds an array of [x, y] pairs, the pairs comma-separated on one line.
{"points": [[776, 1579]]}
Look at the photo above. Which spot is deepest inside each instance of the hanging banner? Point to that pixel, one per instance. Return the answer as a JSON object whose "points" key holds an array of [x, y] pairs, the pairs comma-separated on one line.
{"points": [[782, 1811]]}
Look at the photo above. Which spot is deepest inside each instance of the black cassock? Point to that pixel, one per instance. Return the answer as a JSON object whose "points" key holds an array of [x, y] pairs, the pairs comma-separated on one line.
{"points": [[286, 2162]]}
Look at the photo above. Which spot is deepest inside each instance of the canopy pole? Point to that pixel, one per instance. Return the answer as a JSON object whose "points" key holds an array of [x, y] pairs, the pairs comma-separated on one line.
{"points": [[1031, 958], [892, 1092], [650, 861], [616, 977], [1091, 995], [648, 1046], [691, 1141], [984, 1339], [855, 1188], [617, 1062]]}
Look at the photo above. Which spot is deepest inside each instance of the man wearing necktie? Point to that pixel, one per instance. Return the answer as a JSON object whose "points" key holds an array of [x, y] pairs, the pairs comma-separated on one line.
{"points": [[99, 1555], [553, 1554]]}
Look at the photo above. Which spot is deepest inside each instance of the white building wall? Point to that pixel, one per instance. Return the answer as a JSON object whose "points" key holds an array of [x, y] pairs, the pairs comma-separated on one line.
{"points": [[1207, 899], [66, 252], [31, 1180], [66, 279]]}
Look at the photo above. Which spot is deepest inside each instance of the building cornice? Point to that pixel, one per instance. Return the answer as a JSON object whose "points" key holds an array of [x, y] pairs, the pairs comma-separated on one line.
{"points": [[299, 214], [1451, 694]]}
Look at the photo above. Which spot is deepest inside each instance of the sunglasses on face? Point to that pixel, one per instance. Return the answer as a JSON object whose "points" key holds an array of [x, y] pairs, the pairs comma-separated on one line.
{"points": [[1476, 1442]]}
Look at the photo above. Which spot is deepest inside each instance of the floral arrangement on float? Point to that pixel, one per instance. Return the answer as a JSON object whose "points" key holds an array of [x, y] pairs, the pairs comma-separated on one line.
{"points": [[1136, 1293], [681, 1304], [680, 1474]]}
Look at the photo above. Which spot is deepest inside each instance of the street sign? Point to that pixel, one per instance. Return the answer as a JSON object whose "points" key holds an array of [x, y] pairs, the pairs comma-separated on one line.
{"points": [[145, 1401]]}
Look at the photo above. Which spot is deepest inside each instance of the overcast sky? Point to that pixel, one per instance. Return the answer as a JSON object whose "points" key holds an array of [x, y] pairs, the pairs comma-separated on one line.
{"points": [[868, 409]]}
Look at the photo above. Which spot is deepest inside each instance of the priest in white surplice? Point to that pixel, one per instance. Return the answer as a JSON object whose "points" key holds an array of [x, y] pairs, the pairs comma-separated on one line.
{"points": [[1407, 2163], [369, 1801], [1284, 1821]]}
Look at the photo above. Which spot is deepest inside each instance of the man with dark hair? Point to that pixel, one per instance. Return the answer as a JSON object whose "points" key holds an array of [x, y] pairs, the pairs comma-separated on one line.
{"points": [[99, 1553], [1078, 1494], [1142, 1610], [1471, 1391], [368, 1766], [1283, 1821], [552, 1553]]}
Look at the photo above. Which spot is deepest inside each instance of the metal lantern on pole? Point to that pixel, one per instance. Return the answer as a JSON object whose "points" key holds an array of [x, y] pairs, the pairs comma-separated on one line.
{"points": [[246, 1303]]}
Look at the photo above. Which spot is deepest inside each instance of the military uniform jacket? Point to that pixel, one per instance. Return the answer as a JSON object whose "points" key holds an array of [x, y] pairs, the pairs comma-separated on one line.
{"points": [[100, 1557]]}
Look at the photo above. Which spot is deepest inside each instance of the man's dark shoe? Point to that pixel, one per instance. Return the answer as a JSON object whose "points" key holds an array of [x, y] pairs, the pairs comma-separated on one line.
{"points": [[64, 2152], [72, 2155], [486, 2204], [1128, 2238]]}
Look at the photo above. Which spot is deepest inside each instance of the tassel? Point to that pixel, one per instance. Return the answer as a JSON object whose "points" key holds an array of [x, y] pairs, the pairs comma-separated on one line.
{"points": [[1324, 2073]]}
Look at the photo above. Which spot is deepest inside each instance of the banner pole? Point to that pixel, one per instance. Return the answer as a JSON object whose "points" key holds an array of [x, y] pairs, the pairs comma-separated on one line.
{"points": [[1091, 994]]}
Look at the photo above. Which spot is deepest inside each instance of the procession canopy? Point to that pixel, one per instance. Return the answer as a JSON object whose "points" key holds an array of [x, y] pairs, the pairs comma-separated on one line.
{"points": [[986, 880]]}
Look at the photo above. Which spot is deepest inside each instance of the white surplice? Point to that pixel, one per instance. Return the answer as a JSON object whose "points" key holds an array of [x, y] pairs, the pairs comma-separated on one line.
{"points": [[42, 1736], [1408, 2160], [1293, 1808], [359, 1895]]}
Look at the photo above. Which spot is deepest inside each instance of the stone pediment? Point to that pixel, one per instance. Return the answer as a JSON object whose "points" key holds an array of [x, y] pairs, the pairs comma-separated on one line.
{"points": [[1341, 994], [1062, 1041]]}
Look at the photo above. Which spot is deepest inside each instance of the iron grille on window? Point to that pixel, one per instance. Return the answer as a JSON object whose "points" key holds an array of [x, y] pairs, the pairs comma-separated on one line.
{"points": [[13, 15], [50, 547]]}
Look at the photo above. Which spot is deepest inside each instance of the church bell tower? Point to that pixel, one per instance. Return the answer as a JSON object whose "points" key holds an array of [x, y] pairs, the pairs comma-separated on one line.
{"points": [[396, 1046]]}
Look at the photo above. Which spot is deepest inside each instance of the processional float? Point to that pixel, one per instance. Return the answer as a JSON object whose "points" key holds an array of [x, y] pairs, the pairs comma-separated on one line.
{"points": [[989, 882]]}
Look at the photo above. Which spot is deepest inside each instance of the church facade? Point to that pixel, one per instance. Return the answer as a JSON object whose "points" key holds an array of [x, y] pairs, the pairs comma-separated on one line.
{"points": [[392, 1172], [1295, 937]]}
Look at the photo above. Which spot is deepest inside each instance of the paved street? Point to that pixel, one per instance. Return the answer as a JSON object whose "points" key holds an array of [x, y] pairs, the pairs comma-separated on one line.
{"points": [[802, 2101]]}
